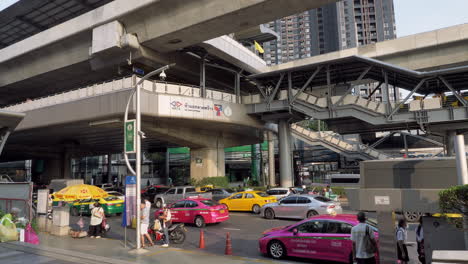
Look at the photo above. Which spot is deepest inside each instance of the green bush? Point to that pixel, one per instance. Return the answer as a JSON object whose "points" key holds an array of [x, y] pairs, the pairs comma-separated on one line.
{"points": [[454, 200], [220, 181], [339, 191]]}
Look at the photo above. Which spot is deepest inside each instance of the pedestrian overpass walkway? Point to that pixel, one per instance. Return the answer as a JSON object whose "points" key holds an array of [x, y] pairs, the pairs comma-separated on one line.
{"points": [[336, 143]]}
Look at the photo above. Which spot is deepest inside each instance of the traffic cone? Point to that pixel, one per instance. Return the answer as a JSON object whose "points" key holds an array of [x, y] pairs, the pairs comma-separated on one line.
{"points": [[228, 250], [202, 239]]}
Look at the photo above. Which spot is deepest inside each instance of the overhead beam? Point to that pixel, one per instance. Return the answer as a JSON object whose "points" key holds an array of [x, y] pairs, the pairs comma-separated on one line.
{"points": [[457, 95], [278, 84], [397, 107], [311, 78], [363, 74], [373, 91]]}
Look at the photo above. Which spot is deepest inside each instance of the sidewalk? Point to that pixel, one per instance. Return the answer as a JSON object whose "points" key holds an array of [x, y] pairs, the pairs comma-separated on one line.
{"points": [[108, 251]]}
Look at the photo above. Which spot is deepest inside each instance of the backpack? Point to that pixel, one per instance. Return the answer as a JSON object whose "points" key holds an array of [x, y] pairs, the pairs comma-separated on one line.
{"points": [[369, 243]]}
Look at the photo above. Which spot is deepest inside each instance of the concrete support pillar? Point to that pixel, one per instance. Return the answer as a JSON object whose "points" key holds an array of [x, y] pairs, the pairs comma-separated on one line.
{"points": [[168, 156], [207, 162], [202, 77], [256, 160], [271, 159], [387, 240], [449, 143], [285, 154], [460, 154], [66, 166], [109, 168]]}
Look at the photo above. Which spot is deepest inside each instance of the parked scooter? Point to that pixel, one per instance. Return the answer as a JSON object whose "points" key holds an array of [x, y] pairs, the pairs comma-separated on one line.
{"points": [[176, 234]]}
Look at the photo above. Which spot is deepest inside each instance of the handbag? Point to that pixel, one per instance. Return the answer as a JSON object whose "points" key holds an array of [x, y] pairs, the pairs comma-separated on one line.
{"points": [[30, 236], [369, 243], [157, 225]]}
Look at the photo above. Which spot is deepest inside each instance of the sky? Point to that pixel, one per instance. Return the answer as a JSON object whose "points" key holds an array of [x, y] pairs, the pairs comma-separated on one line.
{"points": [[5, 3], [416, 16]]}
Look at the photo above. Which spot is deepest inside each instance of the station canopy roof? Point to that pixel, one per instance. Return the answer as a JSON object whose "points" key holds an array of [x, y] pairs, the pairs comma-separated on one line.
{"points": [[29, 17], [348, 69]]}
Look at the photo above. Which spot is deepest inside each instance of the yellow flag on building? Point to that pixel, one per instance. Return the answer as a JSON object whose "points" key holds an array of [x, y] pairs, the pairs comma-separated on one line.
{"points": [[258, 47]]}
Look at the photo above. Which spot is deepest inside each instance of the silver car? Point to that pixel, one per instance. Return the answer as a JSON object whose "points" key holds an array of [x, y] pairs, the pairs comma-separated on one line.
{"points": [[300, 207]]}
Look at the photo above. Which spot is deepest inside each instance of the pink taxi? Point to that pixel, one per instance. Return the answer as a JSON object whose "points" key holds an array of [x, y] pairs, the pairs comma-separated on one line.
{"points": [[324, 237], [199, 211]]}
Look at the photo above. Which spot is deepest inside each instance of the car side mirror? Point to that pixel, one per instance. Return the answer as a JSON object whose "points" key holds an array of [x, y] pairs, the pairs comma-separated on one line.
{"points": [[295, 231]]}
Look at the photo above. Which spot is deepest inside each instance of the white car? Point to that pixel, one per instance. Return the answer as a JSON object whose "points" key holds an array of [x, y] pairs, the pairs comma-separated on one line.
{"points": [[279, 193], [117, 194]]}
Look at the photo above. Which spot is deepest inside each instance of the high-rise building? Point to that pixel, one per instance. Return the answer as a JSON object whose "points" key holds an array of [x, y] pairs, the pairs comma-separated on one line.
{"points": [[342, 25]]}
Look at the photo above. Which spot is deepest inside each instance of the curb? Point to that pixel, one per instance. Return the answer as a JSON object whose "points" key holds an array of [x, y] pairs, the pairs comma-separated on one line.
{"points": [[61, 254]]}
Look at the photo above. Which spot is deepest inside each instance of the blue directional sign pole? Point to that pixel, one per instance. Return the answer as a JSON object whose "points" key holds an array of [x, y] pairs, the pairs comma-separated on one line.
{"points": [[139, 135]]}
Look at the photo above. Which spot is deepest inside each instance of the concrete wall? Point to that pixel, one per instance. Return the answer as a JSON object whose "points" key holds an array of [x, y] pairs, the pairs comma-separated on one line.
{"points": [[409, 173]]}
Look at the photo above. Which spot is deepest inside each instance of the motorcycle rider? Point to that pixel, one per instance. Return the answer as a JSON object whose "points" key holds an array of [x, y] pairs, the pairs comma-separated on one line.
{"points": [[166, 223]]}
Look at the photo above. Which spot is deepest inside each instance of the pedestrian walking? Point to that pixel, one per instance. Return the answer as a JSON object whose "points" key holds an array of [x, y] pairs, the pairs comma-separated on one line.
{"points": [[166, 222], [145, 215], [364, 244], [97, 214], [420, 241], [401, 237]]}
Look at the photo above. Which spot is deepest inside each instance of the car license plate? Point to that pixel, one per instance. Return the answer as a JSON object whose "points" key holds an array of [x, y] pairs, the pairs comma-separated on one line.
{"points": [[221, 211], [119, 205]]}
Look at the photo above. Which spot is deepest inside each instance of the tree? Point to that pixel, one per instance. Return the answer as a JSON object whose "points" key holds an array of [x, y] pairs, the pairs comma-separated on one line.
{"points": [[455, 200], [314, 125]]}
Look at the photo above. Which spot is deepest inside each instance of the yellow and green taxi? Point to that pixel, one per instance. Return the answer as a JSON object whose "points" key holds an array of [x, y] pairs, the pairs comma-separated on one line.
{"points": [[247, 201], [111, 205]]}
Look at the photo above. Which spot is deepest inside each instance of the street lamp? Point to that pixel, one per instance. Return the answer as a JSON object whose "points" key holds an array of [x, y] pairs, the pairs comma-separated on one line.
{"points": [[139, 136]]}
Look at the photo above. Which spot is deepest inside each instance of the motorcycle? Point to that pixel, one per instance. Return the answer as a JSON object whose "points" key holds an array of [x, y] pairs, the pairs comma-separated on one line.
{"points": [[176, 234]]}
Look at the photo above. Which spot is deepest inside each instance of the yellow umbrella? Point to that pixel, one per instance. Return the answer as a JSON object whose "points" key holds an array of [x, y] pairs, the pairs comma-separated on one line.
{"points": [[80, 191]]}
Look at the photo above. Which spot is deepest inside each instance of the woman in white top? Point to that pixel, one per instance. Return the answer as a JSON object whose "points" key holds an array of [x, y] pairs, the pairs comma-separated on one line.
{"points": [[97, 214], [401, 237]]}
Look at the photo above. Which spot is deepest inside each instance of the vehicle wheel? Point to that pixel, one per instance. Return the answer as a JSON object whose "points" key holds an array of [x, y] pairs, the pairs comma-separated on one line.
{"points": [[158, 203], [74, 211], [311, 213], [199, 222], [256, 209], [177, 237], [119, 214], [276, 249], [269, 213], [412, 216]]}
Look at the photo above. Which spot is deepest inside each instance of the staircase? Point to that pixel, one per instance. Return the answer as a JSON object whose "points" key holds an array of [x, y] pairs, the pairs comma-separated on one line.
{"points": [[336, 143]]}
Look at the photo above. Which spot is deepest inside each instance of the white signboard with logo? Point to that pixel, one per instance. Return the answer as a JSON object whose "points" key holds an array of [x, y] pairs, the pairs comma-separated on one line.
{"points": [[198, 108]]}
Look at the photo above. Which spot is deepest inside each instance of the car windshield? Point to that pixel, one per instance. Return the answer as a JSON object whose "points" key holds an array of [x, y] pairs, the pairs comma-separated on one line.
{"points": [[111, 198], [209, 202], [262, 194], [230, 190], [322, 199]]}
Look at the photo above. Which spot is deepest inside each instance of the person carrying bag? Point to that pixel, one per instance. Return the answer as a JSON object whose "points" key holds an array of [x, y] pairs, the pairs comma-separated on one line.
{"points": [[95, 226], [364, 244]]}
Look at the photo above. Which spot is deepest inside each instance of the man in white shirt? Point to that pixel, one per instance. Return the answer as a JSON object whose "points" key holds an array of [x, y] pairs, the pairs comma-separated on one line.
{"points": [[145, 216], [358, 234]]}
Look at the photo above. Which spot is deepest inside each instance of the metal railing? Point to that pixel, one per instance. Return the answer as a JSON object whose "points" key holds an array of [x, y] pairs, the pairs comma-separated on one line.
{"points": [[120, 85]]}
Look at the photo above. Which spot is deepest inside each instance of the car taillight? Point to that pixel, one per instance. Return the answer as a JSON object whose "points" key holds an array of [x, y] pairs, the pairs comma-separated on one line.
{"points": [[331, 206]]}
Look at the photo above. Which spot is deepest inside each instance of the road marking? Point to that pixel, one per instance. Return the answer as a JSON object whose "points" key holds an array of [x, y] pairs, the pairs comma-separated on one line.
{"points": [[234, 229]]}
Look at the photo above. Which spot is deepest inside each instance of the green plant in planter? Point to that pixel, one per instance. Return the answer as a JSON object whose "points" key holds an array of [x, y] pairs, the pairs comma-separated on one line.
{"points": [[454, 200]]}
